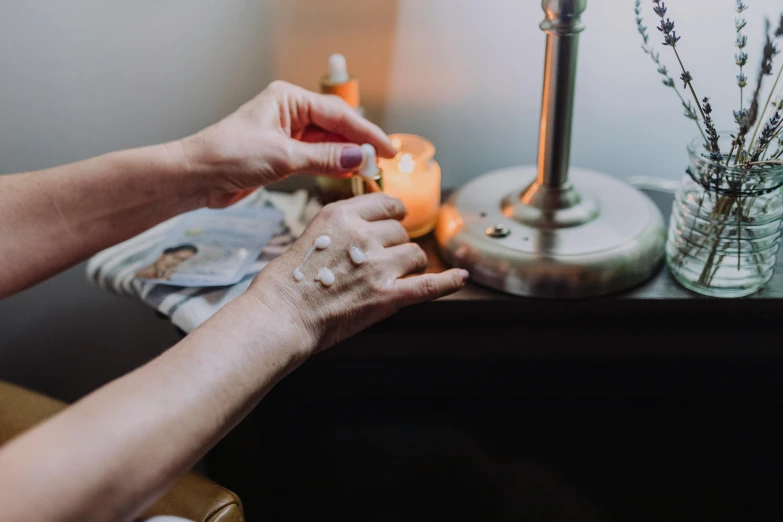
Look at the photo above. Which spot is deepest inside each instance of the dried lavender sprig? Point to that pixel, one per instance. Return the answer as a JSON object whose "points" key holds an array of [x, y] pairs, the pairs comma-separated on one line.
{"points": [[670, 40], [773, 51], [770, 129], [777, 105], [779, 151], [712, 134], [746, 118], [741, 58], [667, 80], [742, 118], [768, 55]]}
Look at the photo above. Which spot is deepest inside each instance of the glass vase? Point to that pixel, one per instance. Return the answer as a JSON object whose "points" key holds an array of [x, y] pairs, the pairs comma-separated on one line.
{"points": [[726, 223]]}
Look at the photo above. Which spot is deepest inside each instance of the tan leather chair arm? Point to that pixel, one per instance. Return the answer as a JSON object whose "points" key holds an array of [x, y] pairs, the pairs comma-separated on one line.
{"points": [[193, 497]]}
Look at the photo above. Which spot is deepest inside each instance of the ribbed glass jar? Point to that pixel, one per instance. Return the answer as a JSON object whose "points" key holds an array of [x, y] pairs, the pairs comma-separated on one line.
{"points": [[726, 224]]}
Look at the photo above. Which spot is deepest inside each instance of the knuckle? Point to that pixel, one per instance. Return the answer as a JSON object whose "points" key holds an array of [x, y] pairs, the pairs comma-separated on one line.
{"points": [[415, 256], [341, 216], [392, 206], [428, 287], [332, 212], [364, 233], [320, 160], [320, 165], [333, 156], [377, 284], [400, 231], [359, 237], [283, 155], [421, 258], [278, 86], [327, 211]]}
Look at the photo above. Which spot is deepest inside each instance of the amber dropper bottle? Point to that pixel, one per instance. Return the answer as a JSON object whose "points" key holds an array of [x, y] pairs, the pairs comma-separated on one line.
{"points": [[339, 83]]}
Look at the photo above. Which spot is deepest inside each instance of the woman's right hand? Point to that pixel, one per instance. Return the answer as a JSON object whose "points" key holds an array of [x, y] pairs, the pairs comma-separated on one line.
{"points": [[362, 294]]}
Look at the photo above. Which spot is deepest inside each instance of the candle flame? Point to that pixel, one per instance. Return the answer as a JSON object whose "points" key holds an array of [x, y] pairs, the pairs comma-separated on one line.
{"points": [[406, 164]]}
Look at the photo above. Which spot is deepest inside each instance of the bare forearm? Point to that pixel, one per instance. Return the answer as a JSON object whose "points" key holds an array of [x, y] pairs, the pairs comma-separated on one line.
{"points": [[54, 218], [126, 443]]}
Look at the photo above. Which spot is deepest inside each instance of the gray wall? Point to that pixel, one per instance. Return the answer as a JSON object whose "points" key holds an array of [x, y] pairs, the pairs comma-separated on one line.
{"points": [[84, 77]]}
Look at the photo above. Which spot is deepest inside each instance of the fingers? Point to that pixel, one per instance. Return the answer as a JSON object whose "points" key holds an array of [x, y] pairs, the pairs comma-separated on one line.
{"points": [[427, 287], [376, 207], [331, 158], [314, 134], [334, 115], [389, 232], [406, 259]]}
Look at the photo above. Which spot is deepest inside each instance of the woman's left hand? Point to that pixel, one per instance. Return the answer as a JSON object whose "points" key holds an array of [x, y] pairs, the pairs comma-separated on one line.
{"points": [[282, 131]]}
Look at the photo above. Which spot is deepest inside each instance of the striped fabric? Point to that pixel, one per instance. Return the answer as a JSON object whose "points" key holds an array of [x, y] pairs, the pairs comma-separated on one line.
{"points": [[113, 269]]}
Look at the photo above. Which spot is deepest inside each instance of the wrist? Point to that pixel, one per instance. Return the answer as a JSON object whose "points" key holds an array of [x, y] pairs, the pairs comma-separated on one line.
{"points": [[199, 166], [271, 312], [214, 168]]}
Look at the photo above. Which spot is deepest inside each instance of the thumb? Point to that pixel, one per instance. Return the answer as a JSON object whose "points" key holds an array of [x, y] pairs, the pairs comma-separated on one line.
{"points": [[325, 158]]}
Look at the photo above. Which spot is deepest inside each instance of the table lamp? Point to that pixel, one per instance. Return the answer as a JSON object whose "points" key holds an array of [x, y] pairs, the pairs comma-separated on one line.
{"points": [[550, 230]]}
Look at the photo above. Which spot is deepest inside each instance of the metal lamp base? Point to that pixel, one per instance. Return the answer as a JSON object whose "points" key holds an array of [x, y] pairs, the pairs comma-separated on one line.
{"points": [[615, 242]]}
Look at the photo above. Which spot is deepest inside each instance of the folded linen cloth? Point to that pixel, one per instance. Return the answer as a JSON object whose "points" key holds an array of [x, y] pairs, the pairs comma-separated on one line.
{"points": [[114, 269]]}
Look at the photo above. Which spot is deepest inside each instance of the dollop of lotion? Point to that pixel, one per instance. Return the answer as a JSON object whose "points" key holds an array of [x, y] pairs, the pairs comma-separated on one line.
{"points": [[357, 256], [325, 276], [320, 243]]}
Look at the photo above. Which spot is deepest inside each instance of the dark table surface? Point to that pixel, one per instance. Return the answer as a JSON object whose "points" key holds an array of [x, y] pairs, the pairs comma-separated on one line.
{"points": [[655, 404]]}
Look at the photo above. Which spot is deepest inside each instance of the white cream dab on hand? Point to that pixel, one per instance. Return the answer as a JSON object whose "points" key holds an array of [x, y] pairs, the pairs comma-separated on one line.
{"points": [[325, 276], [357, 256], [320, 243], [338, 69]]}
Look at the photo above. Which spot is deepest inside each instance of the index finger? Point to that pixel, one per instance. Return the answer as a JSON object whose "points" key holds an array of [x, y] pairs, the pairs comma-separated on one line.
{"points": [[377, 206], [334, 115]]}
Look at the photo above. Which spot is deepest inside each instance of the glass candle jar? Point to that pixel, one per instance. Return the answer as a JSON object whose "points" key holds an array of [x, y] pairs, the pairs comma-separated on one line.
{"points": [[413, 176]]}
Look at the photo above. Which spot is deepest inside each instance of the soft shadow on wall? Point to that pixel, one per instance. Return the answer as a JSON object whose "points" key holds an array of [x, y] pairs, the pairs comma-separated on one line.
{"points": [[307, 32], [448, 70], [467, 74]]}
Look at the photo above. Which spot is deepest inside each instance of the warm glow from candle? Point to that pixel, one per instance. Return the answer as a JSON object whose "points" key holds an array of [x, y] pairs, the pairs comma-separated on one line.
{"points": [[414, 177], [406, 164]]}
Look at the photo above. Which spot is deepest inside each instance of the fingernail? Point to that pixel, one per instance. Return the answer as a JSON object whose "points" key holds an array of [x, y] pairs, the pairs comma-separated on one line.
{"points": [[465, 275], [351, 157]]}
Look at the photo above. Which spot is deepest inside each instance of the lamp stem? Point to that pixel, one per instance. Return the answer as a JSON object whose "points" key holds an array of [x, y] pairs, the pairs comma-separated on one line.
{"points": [[562, 27]]}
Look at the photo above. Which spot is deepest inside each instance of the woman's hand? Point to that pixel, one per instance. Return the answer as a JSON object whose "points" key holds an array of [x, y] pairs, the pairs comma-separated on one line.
{"points": [[283, 130], [362, 294]]}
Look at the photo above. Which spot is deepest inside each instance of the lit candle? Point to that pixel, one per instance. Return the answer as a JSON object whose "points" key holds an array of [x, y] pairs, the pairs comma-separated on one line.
{"points": [[413, 176]]}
